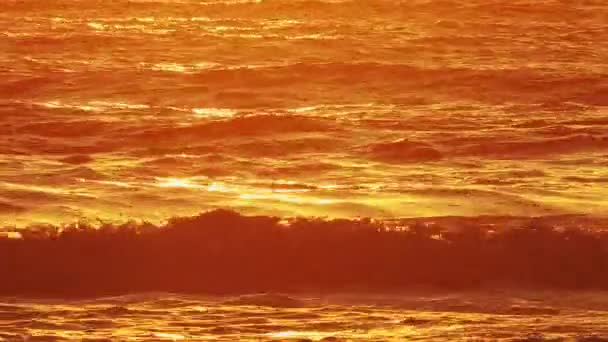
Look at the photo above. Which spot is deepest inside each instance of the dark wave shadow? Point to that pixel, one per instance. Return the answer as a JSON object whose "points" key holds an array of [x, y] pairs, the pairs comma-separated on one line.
{"points": [[223, 252]]}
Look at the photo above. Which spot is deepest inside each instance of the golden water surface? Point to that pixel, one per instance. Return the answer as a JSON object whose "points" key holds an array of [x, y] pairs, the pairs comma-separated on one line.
{"points": [[149, 109]]}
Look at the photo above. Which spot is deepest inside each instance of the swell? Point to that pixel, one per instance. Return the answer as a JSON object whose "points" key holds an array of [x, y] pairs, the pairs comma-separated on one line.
{"points": [[517, 80], [62, 133], [286, 84], [554, 9], [236, 127], [535, 148], [491, 147], [223, 252]]}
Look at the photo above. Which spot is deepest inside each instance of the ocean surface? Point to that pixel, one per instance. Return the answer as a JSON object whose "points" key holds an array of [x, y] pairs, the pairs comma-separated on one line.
{"points": [[145, 110], [148, 109], [546, 316]]}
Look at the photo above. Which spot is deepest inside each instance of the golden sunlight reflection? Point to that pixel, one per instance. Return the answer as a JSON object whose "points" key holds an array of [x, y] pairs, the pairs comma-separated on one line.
{"points": [[92, 106], [113, 183], [11, 235], [173, 182], [205, 113], [219, 187], [48, 189], [305, 170], [180, 68], [195, 184], [293, 334], [251, 190], [168, 336], [174, 67], [321, 335], [97, 26], [60, 105], [287, 198]]}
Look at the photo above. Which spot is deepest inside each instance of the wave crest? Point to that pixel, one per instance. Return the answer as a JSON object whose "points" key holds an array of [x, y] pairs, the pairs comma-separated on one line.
{"points": [[267, 299], [224, 252], [405, 151]]}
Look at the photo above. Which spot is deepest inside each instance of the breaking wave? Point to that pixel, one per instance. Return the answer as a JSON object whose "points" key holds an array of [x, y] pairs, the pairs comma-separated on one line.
{"points": [[223, 252]]}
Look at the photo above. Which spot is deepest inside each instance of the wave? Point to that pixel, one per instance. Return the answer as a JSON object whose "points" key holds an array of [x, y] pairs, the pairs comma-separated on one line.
{"points": [[223, 252], [533, 148], [268, 299], [289, 84], [66, 128], [404, 150], [57, 135], [407, 150], [77, 159], [7, 207], [239, 126], [525, 9], [527, 80]]}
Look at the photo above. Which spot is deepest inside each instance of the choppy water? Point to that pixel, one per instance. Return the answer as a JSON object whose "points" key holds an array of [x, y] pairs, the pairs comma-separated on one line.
{"points": [[148, 109], [445, 317]]}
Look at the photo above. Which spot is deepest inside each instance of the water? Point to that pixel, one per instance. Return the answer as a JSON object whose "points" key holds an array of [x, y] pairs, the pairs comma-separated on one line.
{"points": [[149, 109], [546, 316]]}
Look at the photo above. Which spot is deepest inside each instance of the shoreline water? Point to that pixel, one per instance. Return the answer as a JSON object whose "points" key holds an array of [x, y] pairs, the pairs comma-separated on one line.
{"points": [[533, 316]]}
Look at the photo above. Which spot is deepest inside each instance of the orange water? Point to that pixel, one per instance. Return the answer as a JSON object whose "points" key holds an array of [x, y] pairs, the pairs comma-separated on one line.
{"points": [[438, 317], [149, 109]]}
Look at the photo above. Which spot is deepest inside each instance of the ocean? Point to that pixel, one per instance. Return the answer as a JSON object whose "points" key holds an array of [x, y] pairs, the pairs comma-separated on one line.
{"points": [[423, 317], [151, 109], [445, 111]]}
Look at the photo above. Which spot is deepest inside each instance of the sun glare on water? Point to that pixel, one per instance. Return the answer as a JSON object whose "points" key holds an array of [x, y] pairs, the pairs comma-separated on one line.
{"points": [[177, 183], [187, 170], [170, 337]]}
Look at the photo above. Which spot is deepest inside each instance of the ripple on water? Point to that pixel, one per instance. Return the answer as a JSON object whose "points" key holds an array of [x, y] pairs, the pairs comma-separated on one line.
{"points": [[314, 322], [268, 300]]}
